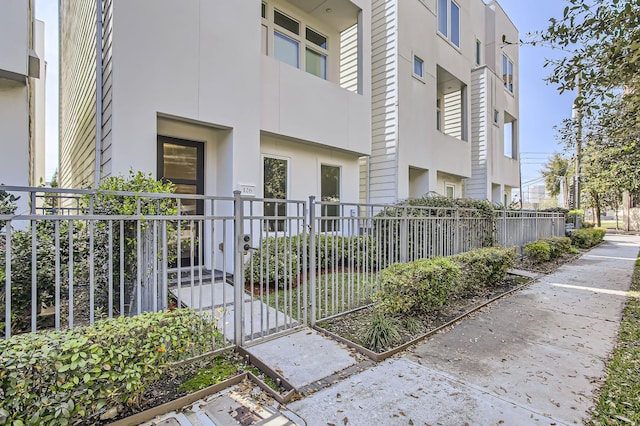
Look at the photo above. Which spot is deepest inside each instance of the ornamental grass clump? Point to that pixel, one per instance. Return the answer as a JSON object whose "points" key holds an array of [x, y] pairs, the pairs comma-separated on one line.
{"points": [[63, 377]]}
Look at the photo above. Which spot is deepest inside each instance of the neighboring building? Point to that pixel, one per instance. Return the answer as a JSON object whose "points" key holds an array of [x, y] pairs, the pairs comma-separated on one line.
{"points": [[216, 96], [21, 95], [445, 101]]}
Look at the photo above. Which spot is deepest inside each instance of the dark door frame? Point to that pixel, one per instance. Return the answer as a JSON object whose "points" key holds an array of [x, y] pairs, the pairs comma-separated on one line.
{"points": [[198, 182]]}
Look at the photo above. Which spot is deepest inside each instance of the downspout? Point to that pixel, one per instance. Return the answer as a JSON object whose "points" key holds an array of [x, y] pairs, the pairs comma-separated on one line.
{"points": [[98, 93]]}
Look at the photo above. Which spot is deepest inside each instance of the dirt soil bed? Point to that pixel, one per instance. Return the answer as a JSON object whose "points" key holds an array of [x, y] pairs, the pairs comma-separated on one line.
{"points": [[354, 326]]}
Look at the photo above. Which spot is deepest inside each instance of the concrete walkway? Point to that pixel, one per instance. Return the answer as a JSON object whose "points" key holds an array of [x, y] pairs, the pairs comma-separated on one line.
{"points": [[533, 358]]}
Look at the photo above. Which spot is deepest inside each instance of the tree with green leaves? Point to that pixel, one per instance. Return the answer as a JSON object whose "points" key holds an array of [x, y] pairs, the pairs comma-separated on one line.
{"points": [[557, 174], [602, 42]]}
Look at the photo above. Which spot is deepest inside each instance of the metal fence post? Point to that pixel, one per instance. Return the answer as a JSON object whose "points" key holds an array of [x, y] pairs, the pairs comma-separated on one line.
{"points": [[238, 267], [404, 237], [312, 259], [456, 241]]}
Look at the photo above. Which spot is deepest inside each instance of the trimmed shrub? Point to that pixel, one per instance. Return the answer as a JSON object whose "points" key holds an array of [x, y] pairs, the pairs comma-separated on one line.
{"points": [[420, 286], [538, 251], [275, 262], [285, 255], [587, 238], [482, 268], [63, 377], [558, 246]]}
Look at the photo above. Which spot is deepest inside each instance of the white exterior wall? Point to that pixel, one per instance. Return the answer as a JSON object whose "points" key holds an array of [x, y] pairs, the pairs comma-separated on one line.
{"points": [[209, 70], [38, 154], [410, 155], [14, 37], [14, 94]]}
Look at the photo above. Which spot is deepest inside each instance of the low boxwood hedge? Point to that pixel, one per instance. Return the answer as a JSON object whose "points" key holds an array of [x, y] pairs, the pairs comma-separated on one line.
{"points": [[64, 377], [416, 287], [482, 268], [547, 249], [587, 238]]}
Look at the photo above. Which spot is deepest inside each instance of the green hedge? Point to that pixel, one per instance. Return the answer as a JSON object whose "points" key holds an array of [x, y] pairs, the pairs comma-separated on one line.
{"points": [[558, 246], [587, 238], [482, 268], [285, 255], [62, 377], [547, 249], [416, 287]]}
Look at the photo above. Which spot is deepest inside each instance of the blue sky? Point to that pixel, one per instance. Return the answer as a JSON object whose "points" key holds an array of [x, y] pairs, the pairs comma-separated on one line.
{"points": [[541, 107]]}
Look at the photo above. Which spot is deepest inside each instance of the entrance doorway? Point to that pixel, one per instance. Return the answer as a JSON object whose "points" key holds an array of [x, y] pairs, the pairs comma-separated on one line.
{"points": [[181, 162]]}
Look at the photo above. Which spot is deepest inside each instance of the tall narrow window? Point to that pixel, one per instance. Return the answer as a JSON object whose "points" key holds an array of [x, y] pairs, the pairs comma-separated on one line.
{"points": [[330, 192], [478, 52], [418, 67], [438, 114], [275, 187], [510, 148], [449, 20], [507, 73], [286, 48], [315, 59]]}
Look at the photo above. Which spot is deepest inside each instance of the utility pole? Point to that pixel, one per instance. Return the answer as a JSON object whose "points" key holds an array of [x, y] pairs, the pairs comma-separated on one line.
{"points": [[578, 117]]}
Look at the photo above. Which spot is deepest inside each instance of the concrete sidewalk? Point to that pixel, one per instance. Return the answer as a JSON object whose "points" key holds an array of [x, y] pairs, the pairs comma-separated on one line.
{"points": [[532, 358]]}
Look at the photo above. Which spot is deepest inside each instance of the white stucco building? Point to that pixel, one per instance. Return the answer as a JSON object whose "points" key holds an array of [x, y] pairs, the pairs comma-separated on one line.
{"points": [[218, 96], [21, 95], [444, 101]]}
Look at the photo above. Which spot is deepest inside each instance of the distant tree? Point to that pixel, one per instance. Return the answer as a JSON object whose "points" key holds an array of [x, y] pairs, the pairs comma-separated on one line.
{"points": [[556, 173]]}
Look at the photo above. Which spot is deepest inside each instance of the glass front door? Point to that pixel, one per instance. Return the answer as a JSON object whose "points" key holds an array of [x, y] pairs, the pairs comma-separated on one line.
{"points": [[182, 163]]}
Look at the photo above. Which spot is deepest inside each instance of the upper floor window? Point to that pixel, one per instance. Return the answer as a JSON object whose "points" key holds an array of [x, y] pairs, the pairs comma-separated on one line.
{"points": [[478, 52], [294, 43], [418, 67], [507, 72], [449, 20]]}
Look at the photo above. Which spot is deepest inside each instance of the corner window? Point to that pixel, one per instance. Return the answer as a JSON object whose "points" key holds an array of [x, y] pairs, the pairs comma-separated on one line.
{"points": [[330, 192], [293, 42], [449, 20], [275, 182], [418, 67], [507, 73]]}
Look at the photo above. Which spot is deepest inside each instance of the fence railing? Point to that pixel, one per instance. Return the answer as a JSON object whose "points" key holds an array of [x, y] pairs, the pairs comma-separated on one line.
{"points": [[256, 266]]}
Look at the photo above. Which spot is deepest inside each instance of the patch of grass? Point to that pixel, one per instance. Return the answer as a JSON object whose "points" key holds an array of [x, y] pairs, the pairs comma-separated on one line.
{"points": [[220, 369], [335, 293], [619, 397]]}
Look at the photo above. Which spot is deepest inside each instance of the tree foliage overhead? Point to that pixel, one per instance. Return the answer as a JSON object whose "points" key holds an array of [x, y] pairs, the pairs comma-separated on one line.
{"points": [[602, 41]]}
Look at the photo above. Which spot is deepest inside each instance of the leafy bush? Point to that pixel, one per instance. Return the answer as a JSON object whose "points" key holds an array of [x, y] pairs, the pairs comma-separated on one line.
{"points": [[573, 214], [8, 205], [482, 268], [538, 251], [558, 246], [285, 255], [62, 377], [587, 238], [382, 332], [276, 261], [562, 210], [420, 286]]}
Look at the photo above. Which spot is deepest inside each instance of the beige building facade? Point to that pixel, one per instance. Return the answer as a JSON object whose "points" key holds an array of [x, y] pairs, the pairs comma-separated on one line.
{"points": [[218, 96], [21, 95], [444, 101]]}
